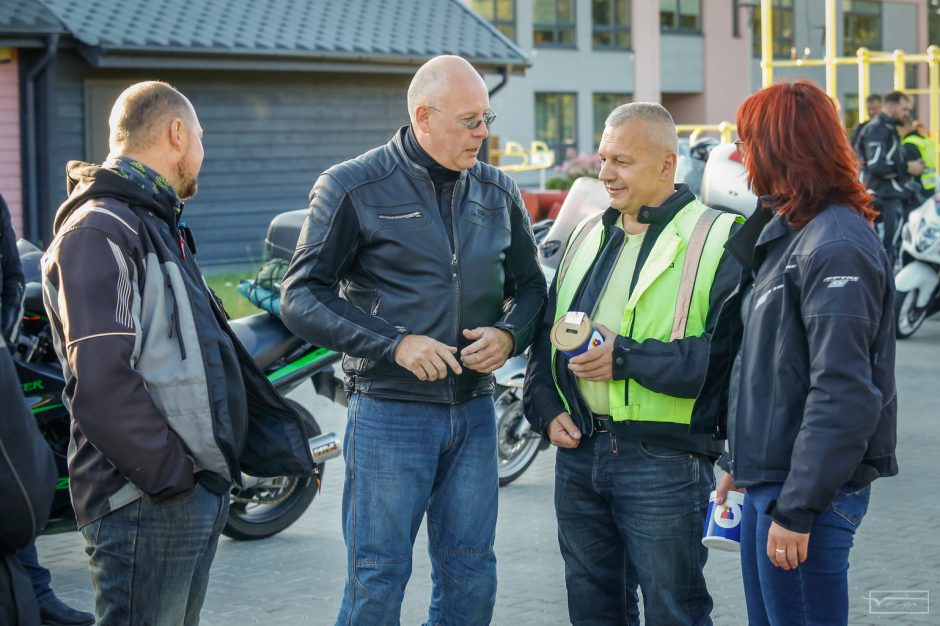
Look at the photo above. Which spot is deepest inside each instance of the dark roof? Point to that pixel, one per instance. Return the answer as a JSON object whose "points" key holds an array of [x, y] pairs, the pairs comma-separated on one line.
{"points": [[378, 31], [27, 17]]}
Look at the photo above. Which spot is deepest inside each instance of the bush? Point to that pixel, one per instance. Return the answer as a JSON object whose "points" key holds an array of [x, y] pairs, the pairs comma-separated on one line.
{"points": [[575, 166]]}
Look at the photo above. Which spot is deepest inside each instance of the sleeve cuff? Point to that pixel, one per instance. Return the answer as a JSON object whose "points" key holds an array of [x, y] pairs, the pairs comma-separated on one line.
{"points": [[796, 520], [512, 333], [622, 347]]}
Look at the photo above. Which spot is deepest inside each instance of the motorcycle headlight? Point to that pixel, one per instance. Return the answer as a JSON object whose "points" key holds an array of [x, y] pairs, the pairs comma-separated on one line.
{"points": [[927, 237]]}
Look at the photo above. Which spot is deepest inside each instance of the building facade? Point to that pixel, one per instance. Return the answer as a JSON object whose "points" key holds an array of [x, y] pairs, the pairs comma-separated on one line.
{"points": [[699, 58], [284, 89]]}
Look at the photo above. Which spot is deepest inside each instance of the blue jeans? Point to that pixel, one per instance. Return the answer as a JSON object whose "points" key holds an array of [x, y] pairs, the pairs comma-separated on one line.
{"points": [[633, 513], [149, 562], [405, 459], [817, 591]]}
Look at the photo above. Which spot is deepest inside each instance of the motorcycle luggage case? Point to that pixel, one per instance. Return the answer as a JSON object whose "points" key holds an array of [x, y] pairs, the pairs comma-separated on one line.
{"points": [[283, 233]]}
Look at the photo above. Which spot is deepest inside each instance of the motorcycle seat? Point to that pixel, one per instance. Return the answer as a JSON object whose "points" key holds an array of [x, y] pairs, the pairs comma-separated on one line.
{"points": [[265, 337]]}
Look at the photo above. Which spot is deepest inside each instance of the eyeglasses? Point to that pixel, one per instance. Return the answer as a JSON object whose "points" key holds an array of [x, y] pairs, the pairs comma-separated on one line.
{"points": [[488, 118]]}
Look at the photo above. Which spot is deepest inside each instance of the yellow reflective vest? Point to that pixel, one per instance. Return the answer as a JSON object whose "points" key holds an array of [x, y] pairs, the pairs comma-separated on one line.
{"points": [[651, 310]]}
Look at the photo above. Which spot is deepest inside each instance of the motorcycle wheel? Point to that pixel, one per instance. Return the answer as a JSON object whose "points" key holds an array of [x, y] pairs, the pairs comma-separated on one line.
{"points": [[909, 316], [264, 511], [515, 453]]}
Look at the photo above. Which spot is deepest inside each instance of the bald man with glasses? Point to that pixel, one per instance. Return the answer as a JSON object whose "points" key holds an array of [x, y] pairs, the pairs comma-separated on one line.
{"points": [[417, 261]]}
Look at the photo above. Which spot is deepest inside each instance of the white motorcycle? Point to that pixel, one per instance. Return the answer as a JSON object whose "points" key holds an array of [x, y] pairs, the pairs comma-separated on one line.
{"points": [[918, 282]]}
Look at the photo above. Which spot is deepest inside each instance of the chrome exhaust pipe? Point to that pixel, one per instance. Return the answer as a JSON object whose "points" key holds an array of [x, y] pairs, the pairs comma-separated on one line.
{"points": [[325, 447]]}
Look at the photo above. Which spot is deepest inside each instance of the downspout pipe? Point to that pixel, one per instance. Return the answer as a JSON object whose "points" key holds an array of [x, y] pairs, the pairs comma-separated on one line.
{"points": [[504, 78], [32, 159]]}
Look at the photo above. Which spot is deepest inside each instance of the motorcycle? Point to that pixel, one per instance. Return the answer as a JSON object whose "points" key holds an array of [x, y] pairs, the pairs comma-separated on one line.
{"points": [[918, 281], [260, 507]]}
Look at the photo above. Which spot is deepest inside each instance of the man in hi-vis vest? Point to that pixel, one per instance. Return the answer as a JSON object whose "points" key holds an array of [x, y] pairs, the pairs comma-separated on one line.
{"points": [[631, 482]]}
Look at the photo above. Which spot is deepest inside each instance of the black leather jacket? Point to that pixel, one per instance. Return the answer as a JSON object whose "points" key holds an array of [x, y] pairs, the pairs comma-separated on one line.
{"points": [[374, 262], [885, 164], [801, 364]]}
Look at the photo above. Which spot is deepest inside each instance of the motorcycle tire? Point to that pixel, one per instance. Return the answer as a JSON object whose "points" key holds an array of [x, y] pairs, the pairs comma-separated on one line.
{"points": [[515, 454], [908, 315], [256, 520]]}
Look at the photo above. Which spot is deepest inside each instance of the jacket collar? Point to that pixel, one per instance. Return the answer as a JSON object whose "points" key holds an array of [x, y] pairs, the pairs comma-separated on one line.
{"points": [[664, 213], [397, 149], [657, 216], [887, 120], [741, 244]]}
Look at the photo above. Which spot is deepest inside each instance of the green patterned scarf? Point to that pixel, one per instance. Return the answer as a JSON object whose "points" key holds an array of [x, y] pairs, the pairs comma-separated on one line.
{"points": [[147, 179]]}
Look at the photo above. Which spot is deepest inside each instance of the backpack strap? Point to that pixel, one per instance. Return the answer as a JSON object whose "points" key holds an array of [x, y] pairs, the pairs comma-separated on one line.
{"points": [[693, 255]]}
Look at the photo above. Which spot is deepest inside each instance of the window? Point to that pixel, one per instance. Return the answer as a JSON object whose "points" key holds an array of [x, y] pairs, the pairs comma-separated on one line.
{"points": [[611, 24], [499, 13], [680, 15], [604, 103], [783, 30], [553, 23], [861, 25], [556, 122]]}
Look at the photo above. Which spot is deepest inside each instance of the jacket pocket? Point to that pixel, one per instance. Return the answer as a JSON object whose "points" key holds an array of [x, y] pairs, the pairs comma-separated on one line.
{"points": [[661, 453], [487, 217]]}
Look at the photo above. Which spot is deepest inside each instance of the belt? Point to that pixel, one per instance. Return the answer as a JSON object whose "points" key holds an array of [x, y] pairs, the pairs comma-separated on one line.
{"points": [[600, 423]]}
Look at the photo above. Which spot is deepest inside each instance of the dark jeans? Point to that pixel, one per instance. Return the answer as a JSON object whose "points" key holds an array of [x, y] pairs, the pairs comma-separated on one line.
{"points": [[39, 576], [149, 562], [627, 513], [404, 459], [814, 593], [892, 211]]}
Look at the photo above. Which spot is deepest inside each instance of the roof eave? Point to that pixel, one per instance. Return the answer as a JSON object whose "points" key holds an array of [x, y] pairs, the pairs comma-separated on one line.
{"points": [[274, 60]]}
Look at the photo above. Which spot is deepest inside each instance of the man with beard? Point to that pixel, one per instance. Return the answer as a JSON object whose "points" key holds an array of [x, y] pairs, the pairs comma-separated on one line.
{"points": [[886, 170], [155, 380]]}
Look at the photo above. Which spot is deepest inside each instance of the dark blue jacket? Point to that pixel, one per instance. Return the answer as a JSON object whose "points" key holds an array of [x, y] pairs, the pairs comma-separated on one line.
{"points": [[801, 364]]}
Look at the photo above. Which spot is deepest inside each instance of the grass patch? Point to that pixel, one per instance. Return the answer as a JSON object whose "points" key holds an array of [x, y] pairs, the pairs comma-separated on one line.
{"points": [[224, 284]]}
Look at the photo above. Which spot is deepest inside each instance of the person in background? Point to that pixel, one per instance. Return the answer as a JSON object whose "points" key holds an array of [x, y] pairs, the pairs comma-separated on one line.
{"points": [[801, 364], [917, 144], [885, 169], [873, 108], [53, 611]]}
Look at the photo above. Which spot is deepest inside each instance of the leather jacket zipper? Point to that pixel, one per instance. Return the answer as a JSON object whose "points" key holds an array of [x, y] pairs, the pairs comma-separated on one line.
{"points": [[455, 271]]}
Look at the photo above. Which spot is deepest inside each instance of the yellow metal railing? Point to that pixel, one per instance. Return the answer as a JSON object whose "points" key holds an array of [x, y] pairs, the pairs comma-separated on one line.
{"points": [[863, 60], [538, 157], [725, 130]]}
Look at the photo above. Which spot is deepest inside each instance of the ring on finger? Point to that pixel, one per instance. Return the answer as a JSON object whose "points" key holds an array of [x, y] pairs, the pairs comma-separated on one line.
{"points": [[780, 550]]}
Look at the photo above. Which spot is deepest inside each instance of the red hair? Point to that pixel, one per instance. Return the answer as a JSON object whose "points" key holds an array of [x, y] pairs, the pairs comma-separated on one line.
{"points": [[797, 154]]}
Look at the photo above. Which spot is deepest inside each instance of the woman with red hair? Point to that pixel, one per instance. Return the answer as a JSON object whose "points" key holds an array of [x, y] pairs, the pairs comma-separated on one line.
{"points": [[801, 365]]}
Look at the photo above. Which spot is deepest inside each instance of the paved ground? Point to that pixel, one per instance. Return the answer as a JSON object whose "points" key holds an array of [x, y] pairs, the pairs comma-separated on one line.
{"points": [[297, 576]]}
